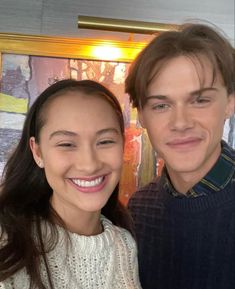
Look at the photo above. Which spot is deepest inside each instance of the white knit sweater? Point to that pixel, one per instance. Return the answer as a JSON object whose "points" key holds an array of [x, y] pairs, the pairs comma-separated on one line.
{"points": [[104, 261]]}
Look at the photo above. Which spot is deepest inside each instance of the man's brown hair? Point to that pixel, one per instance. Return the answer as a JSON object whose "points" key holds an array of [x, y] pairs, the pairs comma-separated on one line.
{"points": [[191, 40]]}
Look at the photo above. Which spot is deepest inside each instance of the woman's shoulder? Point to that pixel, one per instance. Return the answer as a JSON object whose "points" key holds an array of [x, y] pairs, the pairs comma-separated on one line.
{"points": [[2, 286], [120, 234], [18, 281]]}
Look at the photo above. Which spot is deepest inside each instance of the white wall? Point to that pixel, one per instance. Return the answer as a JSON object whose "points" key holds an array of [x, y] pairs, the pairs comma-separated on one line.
{"points": [[57, 17]]}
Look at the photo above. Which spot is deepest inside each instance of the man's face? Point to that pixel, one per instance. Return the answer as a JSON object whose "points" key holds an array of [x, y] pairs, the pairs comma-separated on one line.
{"points": [[184, 117]]}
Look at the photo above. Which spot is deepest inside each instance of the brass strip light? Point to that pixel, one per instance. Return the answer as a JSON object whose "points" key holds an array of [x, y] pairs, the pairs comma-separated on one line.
{"points": [[121, 25]]}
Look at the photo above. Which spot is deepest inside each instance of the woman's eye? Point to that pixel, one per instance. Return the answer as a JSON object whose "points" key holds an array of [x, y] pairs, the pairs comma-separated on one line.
{"points": [[66, 145], [106, 142]]}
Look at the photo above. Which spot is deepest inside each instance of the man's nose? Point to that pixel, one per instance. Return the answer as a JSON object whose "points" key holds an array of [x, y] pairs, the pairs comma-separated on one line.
{"points": [[181, 118]]}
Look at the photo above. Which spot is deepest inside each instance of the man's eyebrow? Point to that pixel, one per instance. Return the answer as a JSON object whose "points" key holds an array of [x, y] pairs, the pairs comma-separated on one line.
{"points": [[200, 91], [193, 93], [158, 96], [73, 134]]}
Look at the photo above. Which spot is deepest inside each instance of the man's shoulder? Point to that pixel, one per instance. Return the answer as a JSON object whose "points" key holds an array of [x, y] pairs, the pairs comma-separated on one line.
{"points": [[147, 204], [147, 194], [151, 188]]}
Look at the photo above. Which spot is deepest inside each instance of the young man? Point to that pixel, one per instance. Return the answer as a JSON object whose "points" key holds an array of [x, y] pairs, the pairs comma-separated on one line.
{"points": [[183, 85]]}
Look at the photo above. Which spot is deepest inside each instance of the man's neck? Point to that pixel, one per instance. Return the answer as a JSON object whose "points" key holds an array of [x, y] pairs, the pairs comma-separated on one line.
{"points": [[183, 181]]}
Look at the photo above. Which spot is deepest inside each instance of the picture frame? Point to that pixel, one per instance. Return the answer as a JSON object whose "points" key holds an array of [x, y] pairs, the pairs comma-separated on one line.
{"points": [[139, 156], [65, 47]]}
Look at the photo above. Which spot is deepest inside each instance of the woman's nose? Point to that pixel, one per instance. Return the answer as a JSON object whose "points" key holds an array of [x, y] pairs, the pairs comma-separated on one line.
{"points": [[88, 160]]}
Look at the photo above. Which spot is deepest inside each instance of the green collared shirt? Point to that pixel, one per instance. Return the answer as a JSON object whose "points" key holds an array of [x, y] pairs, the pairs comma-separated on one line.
{"points": [[216, 179]]}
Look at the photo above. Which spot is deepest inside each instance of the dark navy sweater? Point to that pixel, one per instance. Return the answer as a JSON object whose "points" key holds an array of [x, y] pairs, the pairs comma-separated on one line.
{"points": [[188, 243]]}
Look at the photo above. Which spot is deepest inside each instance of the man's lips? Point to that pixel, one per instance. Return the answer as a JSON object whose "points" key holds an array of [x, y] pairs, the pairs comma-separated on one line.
{"points": [[184, 142]]}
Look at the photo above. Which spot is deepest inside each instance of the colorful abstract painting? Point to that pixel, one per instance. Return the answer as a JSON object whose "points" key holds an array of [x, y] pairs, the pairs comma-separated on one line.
{"points": [[25, 77]]}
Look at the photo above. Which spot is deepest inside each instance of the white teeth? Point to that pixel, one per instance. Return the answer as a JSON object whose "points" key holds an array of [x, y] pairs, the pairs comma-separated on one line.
{"points": [[87, 184]]}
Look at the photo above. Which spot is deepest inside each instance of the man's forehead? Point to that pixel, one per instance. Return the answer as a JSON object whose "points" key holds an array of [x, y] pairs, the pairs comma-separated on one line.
{"points": [[206, 70]]}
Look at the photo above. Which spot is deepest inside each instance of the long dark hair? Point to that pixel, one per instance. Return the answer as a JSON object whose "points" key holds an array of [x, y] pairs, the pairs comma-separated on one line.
{"points": [[25, 193]]}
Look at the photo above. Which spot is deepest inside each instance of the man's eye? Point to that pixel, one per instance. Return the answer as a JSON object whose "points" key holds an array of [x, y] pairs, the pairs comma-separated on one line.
{"points": [[160, 106], [202, 100]]}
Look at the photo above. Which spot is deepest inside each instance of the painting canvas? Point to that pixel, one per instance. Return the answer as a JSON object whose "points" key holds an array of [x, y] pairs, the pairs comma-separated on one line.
{"points": [[24, 77]]}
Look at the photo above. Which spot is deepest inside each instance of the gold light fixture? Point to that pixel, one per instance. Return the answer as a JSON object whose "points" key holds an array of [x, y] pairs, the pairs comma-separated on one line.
{"points": [[122, 25]]}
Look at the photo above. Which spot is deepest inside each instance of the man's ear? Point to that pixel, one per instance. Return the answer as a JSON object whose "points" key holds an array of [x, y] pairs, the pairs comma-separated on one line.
{"points": [[230, 105], [141, 117], [36, 152]]}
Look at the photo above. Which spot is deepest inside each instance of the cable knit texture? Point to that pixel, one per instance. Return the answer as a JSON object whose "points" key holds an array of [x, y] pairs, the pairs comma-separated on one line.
{"points": [[104, 261]]}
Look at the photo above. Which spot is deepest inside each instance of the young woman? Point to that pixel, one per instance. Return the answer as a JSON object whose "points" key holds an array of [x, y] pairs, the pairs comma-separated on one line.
{"points": [[62, 225]]}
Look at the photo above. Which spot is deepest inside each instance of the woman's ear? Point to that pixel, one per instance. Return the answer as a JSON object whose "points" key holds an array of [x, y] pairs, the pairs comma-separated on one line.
{"points": [[35, 149]]}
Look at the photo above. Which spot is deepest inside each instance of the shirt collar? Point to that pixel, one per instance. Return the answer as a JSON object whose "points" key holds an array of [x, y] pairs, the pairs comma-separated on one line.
{"points": [[215, 180]]}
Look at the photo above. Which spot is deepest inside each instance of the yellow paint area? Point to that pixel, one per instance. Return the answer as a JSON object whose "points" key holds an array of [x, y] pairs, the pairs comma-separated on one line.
{"points": [[10, 103], [134, 114]]}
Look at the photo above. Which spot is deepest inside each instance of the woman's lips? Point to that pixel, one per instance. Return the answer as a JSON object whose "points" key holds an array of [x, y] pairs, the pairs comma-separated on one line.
{"points": [[88, 185]]}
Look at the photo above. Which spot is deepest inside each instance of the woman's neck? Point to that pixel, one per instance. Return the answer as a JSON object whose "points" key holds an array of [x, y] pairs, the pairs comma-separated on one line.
{"points": [[77, 221]]}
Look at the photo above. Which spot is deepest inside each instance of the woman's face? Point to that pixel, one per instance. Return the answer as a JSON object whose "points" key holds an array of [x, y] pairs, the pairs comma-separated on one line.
{"points": [[81, 151]]}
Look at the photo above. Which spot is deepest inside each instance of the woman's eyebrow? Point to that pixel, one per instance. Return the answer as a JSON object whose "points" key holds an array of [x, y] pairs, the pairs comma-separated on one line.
{"points": [[108, 130], [73, 134], [62, 132]]}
